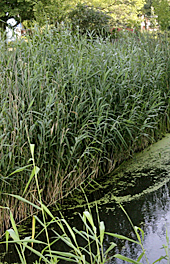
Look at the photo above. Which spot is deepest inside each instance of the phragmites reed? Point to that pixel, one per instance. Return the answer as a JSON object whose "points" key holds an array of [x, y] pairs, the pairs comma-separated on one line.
{"points": [[86, 104]]}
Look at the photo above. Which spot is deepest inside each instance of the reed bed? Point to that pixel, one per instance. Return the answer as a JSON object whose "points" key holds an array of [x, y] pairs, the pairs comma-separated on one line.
{"points": [[87, 104]]}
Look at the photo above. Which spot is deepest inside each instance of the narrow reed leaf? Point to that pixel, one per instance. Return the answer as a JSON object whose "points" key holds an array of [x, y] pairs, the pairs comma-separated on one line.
{"points": [[69, 243], [20, 169], [81, 233], [70, 230], [32, 147], [122, 237], [44, 207], [130, 221], [33, 228], [25, 242], [38, 254], [90, 219], [167, 237], [102, 230], [13, 225], [26, 239], [20, 256], [159, 259], [41, 223], [65, 254], [112, 246], [64, 258], [87, 251], [86, 225], [86, 235], [13, 235], [35, 171], [142, 232], [141, 256], [127, 259], [137, 234], [30, 240], [31, 103], [7, 239], [25, 201]]}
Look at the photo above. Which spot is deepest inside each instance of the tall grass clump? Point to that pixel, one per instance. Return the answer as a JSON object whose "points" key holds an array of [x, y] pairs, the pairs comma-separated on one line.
{"points": [[86, 105]]}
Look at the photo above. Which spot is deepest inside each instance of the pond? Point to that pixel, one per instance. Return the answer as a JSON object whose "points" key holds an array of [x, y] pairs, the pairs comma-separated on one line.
{"points": [[152, 213], [142, 186]]}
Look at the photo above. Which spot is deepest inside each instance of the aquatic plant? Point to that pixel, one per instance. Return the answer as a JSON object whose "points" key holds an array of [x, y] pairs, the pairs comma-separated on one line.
{"points": [[93, 249], [86, 105]]}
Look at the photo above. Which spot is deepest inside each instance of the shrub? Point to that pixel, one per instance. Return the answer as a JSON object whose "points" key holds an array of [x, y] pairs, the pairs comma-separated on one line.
{"points": [[88, 19]]}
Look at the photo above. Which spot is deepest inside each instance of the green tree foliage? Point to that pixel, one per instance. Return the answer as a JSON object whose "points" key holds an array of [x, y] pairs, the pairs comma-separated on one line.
{"points": [[39, 10], [147, 8], [123, 12], [162, 10], [52, 11], [89, 19], [126, 13], [19, 9]]}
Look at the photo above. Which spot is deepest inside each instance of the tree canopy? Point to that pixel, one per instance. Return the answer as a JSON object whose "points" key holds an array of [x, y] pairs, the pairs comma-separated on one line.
{"points": [[162, 10], [89, 19], [123, 12], [19, 9], [159, 9]]}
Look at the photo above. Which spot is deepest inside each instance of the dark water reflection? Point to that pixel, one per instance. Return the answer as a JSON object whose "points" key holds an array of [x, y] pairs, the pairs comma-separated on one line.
{"points": [[151, 212]]}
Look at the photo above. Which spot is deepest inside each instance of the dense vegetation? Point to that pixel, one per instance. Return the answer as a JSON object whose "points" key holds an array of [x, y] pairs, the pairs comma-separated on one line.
{"points": [[54, 11], [87, 104], [85, 98], [124, 13]]}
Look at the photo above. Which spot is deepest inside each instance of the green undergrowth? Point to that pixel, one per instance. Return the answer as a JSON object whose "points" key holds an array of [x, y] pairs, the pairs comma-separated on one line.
{"points": [[87, 104]]}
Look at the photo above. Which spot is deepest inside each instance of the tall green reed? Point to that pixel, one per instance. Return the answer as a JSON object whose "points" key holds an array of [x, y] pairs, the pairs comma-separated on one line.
{"points": [[86, 104]]}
